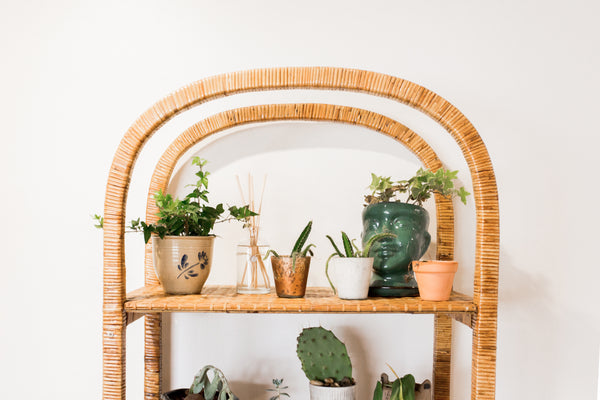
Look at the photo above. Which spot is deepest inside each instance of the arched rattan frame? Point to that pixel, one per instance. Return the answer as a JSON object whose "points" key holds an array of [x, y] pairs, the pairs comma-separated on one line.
{"points": [[484, 189]]}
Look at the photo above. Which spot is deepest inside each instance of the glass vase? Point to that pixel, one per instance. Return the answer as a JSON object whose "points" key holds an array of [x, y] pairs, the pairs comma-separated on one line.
{"points": [[253, 272]]}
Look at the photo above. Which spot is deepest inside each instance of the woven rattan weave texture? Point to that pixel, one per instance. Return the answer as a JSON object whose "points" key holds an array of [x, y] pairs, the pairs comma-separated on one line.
{"points": [[484, 302]]}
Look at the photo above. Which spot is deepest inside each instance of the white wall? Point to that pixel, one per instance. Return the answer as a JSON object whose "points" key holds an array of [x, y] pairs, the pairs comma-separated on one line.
{"points": [[76, 74]]}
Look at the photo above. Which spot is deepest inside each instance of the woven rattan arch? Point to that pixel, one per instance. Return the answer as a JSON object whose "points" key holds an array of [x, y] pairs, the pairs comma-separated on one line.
{"points": [[485, 194]]}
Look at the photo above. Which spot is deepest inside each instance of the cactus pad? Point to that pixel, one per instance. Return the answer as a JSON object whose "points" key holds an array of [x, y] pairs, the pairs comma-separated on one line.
{"points": [[323, 355]]}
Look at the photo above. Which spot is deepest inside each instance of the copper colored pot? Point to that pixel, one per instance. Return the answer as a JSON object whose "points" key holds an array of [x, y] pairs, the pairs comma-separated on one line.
{"points": [[289, 281]]}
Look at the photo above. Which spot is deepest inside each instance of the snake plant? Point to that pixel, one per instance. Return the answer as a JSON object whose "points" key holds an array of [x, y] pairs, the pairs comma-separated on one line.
{"points": [[299, 250]]}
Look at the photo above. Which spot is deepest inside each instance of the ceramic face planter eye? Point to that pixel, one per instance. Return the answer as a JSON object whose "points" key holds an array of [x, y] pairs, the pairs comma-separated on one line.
{"points": [[393, 255]]}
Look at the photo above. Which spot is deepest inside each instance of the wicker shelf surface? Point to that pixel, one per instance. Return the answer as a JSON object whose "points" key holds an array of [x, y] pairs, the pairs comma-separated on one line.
{"points": [[152, 299]]}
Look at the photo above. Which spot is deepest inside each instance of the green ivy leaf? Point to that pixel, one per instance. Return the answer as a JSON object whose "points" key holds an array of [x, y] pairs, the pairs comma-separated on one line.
{"points": [[378, 393]]}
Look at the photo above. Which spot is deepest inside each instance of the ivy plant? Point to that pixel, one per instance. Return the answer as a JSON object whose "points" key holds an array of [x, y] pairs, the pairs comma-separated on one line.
{"points": [[418, 189], [191, 216]]}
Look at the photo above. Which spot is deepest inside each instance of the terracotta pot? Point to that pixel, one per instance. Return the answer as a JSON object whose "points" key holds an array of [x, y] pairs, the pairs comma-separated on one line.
{"points": [[290, 281], [332, 393], [435, 278], [182, 263], [351, 276]]}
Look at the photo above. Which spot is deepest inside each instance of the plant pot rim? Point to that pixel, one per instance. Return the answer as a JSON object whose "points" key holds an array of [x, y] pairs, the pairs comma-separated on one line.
{"points": [[297, 257], [172, 237], [394, 203], [434, 266], [351, 258], [332, 387]]}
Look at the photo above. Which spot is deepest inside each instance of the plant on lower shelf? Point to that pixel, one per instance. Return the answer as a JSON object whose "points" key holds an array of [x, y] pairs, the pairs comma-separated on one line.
{"points": [[218, 388], [401, 388], [278, 390], [324, 358], [204, 388]]}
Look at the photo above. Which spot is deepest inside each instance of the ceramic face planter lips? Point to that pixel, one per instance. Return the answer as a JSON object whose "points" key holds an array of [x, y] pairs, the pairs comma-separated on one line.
{"points": [[393, 255]]}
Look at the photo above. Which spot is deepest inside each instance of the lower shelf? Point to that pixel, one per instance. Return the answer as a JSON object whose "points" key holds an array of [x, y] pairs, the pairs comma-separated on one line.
{"points": [[152, 299]]}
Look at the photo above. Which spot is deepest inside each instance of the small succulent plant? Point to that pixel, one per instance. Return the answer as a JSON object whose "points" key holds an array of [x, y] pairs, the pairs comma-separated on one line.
{"points": [[419, 188], [217, 389], [299, 250], [278, 390], [324, 358], [351, 250]]}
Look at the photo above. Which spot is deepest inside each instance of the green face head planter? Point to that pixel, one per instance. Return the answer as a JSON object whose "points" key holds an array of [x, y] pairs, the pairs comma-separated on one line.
{"points": [[393, 254]]}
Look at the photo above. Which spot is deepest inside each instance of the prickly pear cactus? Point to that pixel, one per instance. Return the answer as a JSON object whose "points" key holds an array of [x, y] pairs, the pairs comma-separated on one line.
{"points": [[323, 355]]}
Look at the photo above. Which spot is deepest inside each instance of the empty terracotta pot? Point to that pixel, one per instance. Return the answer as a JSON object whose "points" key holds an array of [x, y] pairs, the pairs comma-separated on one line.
{"points": [[434, 278]]}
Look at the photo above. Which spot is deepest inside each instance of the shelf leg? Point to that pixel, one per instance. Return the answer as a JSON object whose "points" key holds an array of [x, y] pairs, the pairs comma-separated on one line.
{"points": [[113, 355], [152, 356], [483, 368], [442, 355]]}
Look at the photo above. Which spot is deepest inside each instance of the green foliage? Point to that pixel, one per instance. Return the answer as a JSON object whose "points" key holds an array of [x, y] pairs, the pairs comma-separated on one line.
{"points": [[278, 389], [351, 250], [418, 189], [302, 239], [402, 388], [323, 355], [190, 216], [299, 250], [217, 389], [99, 221]]}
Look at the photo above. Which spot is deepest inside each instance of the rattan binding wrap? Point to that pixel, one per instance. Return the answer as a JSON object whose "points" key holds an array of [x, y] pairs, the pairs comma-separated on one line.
{"points": [[484, 190]]}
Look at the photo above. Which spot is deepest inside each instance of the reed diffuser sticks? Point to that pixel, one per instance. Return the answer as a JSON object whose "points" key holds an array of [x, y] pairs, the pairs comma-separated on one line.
{"points": [[254, 277]]}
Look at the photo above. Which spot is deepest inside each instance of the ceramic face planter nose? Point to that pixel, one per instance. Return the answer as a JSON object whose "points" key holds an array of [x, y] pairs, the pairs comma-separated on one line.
{"points": [[393, 255]]}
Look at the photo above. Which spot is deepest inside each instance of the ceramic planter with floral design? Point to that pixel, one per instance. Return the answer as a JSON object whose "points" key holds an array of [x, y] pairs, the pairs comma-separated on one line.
{"points": [[182, 263]]}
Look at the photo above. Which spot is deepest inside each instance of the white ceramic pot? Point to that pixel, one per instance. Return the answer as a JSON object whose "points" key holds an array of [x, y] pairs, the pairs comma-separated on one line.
{"points": [[332, 393], [351, 276], [182, 263]]}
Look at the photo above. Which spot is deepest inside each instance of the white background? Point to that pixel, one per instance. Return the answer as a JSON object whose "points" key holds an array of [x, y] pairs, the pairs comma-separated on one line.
{"points": [[76, 74]]}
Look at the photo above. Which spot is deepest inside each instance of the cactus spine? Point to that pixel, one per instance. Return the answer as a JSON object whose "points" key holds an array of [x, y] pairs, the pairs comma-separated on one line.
{"points": [[323, 355]]}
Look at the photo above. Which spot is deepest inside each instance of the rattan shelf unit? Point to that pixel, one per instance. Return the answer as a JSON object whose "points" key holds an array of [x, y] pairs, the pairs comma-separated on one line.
{"points": [[478, 311]]}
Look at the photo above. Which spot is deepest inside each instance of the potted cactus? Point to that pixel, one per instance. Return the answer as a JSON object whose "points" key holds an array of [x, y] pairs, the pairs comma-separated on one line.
{"points": [[352, 268], [203, 388], [408, 220], [326, 364], [291, 272]]}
